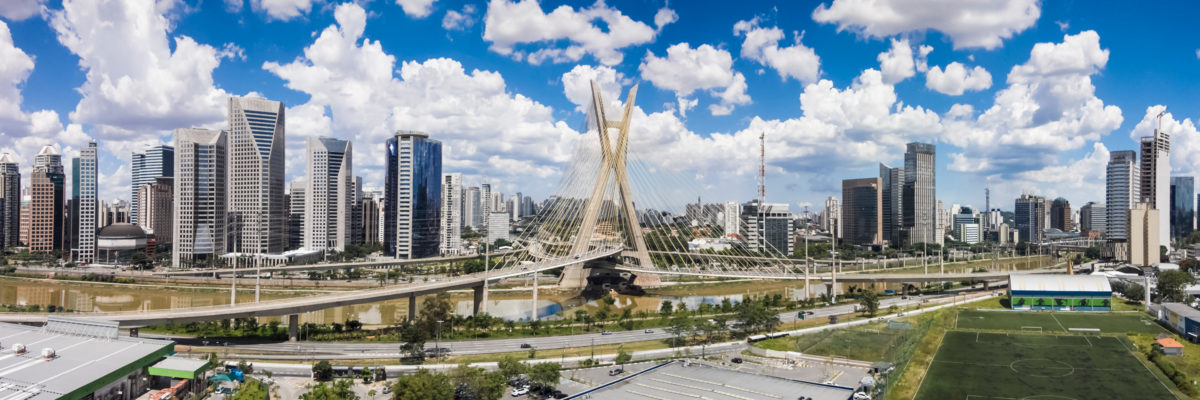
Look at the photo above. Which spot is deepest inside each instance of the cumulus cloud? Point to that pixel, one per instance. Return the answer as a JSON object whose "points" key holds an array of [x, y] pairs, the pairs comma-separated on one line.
{"points": [[15, 67], [282, 10], [685, 70], [665, 16], [416, 8], [459, 20], [969, 24], [509, 25], [577, 85], [957, 78], [762, 45], [1185, 139], [17, 10], [897, 64]]}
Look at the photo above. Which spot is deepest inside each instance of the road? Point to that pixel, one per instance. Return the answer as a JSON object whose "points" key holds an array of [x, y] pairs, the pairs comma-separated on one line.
{"points": [[345, 350]]}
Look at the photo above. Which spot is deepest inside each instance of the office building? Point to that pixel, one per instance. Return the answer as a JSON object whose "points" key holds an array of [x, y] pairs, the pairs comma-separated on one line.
{"points": [[472, 209], [831, 218], [413, 196], [862, 203], [156, 162], [297, 194], [26, 216], [485, 203], [731, 220], [157, 202], [1030, 217], [893, 200], [46, 221], [451, 231], [200, 197], [768, 228], [370, 217], [1183, 207], [1144, 241], [10, 202], [257, 213], [1093, 217], [85, 207], [919, 202], [357, 229], [497, 226], [1060, 215], [1156, 180], [330, 194], [1122, 191]]}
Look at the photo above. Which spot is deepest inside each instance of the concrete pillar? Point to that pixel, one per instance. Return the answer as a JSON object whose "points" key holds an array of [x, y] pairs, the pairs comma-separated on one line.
{"points": [[412, 307], [480, 297], [293, 326], [533, 316]]}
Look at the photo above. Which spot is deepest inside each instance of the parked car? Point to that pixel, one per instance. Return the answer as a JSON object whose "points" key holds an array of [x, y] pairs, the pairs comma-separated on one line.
{"points": [[558, 394], [649, 331], [605, 333], [520, 391], [616, 371], [736, 360]]}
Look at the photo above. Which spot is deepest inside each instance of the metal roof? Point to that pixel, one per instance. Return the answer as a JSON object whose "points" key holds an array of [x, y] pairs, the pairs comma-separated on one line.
{"points": [[179, 367], [1059, 283], [1182, 310], [676, 381], [78, 367]]}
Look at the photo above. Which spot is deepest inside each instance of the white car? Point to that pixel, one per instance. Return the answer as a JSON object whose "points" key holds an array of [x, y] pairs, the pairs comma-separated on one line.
{"points": [[520, 391]]}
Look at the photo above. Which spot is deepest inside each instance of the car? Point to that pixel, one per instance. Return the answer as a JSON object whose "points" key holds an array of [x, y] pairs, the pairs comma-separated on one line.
{"points": [[387, 389], [649, 331], [558, 394], [525, 345], [605, 333], [736, 360], [521, 391], [616, 371], [810, 313]]}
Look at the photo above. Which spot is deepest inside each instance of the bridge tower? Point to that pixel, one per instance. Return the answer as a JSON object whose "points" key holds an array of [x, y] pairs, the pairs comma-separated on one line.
{"points": [[612, 166]]}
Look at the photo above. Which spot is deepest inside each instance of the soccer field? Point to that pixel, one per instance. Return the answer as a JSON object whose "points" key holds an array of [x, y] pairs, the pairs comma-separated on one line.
{"points": [[989, 366], [1058, 321]]}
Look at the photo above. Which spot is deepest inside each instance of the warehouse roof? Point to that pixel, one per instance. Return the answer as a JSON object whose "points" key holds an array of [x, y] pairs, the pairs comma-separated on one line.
{"points": [[80, 363], [1059, 283], [675, 380]]}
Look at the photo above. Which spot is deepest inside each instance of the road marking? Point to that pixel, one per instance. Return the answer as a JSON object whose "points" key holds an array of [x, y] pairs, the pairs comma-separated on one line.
{"points": [[1060, 325]]}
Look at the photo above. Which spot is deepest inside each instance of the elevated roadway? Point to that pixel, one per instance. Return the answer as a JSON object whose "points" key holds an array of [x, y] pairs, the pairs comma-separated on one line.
{"points": [[330, 266]]}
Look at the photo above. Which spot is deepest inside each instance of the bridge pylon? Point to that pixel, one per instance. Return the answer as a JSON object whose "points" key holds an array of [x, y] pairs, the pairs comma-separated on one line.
{"points": [[613, 166]]}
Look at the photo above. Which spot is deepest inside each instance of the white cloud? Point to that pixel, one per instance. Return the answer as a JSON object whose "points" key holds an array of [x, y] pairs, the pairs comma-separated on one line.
{"points": [[1078, 54], [762, 45], [457, 21], [510, 24], [1185, 139], [577, 85], [232, 51], [956, 79], [282, 10], [17, 10], [416, 8], [685, 70], [234, 6], [923, 57], [897, 63], [665, 16], [1197, 53], [1080, 179], [15, 67], [969, 24]]}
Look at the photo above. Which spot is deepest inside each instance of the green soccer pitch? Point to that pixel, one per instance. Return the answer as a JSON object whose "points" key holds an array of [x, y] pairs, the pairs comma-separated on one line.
{"points": [[1098, 323], [1017, 366]]}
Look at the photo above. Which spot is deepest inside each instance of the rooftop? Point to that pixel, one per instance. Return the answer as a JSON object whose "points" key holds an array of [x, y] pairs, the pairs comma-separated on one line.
{"points": [[1059, 283], [79, 361], [674, 380], [1182, 310], [1169, 342]]}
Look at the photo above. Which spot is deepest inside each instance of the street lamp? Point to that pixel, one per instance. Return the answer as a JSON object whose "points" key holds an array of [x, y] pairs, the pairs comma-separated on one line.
{"points": [[438, 341]]}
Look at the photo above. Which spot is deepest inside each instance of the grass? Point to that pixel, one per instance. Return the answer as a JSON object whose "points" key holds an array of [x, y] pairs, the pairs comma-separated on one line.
{"points": [[1002, 365], [871, 342], [1107, 323]]}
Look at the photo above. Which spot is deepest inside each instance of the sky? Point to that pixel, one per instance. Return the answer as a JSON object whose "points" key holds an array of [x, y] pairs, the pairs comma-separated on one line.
{"points": [[1019, 96]]}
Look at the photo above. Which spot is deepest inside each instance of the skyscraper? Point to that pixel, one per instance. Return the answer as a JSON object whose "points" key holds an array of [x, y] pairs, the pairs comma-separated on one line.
{"points": [[1060, 215], [156, 162], [257, 214], [157, 208], [472, 209], [46, 231], [893, 201], [10, 202], [370, 217], [200, 197], [297, 194], [1156, 180], [1122, 191], [451, 231], [485, 203], [832, 219], [1030, 217], [732, 214], [330, 194], [413, 194], [862, 205], [919, 202], [768, 227], [1183, 207], [1093, 217], [83, 182]]}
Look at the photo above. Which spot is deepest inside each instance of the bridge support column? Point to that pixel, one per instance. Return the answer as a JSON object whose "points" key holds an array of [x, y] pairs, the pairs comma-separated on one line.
{"points": [[412, 308], [573, 277], [533, 314], [293, 327], [478, 301]]}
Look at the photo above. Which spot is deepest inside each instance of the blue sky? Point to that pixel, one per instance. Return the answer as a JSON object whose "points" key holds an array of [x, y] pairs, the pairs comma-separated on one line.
{"points": [[1020, 96]]}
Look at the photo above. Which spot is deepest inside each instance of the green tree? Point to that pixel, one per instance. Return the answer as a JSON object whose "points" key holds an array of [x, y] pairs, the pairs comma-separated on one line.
{"points": [[1134, 292], [754, 317], [1191, 265], [869, 302], [213, 361], [252, 389], [436, 308], [665, 309], [1171, 284], [339, 390], [421, 386], [510, 367], [680, 326], [623, 357], [475, 383], [322, 371], [546, 374]]}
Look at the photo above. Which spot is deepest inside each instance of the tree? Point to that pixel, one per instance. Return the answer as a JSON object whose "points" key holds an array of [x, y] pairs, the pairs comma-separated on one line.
{"points": [[1171, 284], [245, 367], [510, 368], [436, 308], [213, 361], [1191, 265], [622, 356], [252, 389], [1134, 292], [869, 302], [322, 371], [665, 309], [475, 383], [546, 374], [339, 390], [422, 385], [140, 260], [754, 317], [681, 326]]}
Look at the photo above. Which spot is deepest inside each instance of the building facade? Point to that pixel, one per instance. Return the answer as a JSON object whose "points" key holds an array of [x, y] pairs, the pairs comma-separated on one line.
{"points": [[1122, 191], [862, 216], [1093, 217], [1183, 207], [919, 206], [1060, 215], [83, 212], [200, 193], [157, 202], [893, 202], [413, 194], [257, 213], [731, 221], [1156, 179], [330, 194], [497, 226], [831, 219], [768, 228], [10, 202], [370, 217], [1030, 217], [472, 209], [46, 220], [156, 162], [1144, 241], [450, 242], [297, 194]]}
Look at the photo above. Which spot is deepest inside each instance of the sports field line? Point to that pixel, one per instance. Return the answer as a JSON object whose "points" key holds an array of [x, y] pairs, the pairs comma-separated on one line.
{"points": [[982, 397], [1060, 325], [935, 355], [1088, 340], [1147, 367]]}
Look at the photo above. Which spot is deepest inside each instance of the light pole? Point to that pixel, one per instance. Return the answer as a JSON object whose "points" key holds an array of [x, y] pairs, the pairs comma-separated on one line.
{"points": [[438, 342]]}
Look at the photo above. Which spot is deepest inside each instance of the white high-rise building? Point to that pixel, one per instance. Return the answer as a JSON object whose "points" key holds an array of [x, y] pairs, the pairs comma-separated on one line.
{"points": [[1122, 191], [1156, 180], [200, 196], [832, 218], [257, 213], [85, 193], [451, 232], [485, 204], [472, 209], [497, 226], [330, 194], [732, 216]]}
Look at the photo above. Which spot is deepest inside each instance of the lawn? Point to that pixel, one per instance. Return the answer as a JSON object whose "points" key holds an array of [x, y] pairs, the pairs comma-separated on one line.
{"points": [[976, 365], [871, 342], [1057, 321]]}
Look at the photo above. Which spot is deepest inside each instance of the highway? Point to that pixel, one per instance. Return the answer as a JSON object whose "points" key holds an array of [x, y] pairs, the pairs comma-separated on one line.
{"points": [[345, 350], [330, 266]]}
